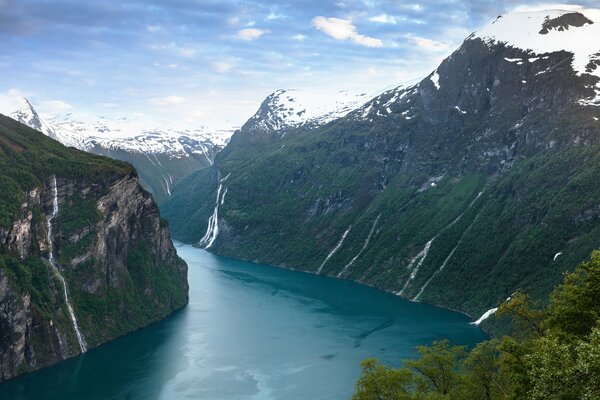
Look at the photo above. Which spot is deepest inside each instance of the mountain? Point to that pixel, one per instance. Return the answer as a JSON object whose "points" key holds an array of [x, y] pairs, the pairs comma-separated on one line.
{"points": [[475, 182], [161, 156], [84, 254]]}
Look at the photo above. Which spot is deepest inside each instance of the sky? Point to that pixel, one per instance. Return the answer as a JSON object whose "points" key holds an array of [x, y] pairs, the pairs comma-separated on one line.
{"points": [[194, 63]]}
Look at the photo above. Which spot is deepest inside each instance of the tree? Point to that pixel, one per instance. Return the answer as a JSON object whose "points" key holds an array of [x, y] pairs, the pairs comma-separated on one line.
{"points": [[486, 378], [527, 320], [575, 305], [438, 367], [378, 382]]}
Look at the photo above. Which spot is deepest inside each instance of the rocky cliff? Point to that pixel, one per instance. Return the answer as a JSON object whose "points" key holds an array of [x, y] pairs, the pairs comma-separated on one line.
{"points": [[84, 254]]}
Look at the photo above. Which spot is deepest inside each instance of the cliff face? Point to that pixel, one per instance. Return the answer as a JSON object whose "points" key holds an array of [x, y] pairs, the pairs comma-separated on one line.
{"points": [[458, 190], [84, 259]]}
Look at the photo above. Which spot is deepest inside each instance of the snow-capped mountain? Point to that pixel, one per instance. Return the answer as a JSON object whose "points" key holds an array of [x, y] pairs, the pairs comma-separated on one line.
{"points": [[285, 110], [539, 42], [456, 191], [161, 155]]}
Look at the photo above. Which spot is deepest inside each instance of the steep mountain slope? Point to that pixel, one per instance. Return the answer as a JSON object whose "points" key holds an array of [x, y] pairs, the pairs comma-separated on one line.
{"points": [[477, 181], [84, 255], [161, 156]]}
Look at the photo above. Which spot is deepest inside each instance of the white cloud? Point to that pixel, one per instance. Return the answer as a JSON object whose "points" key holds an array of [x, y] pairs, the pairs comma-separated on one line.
{"points": [[18, 93], [430, 45], [55, 106], [547, 6], [384, 19], [250, 34], [343, 29], [154, 28], [299, 37], [221, 67], [165, 101], [186, 52], [273, 15]]}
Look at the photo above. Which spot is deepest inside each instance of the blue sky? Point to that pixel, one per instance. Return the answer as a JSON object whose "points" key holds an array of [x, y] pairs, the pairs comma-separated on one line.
{"points": [[188, 63]]}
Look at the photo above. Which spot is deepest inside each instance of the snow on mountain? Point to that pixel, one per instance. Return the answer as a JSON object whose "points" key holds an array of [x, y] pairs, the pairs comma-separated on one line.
{"points": [[27, 115], [551, 31], [162, 156], [288, 109], [122, 134], [542, 32], [538, 34]]}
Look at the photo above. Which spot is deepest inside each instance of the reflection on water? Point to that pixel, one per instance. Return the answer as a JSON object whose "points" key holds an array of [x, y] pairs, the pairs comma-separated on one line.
{"points": [[251, 332]]}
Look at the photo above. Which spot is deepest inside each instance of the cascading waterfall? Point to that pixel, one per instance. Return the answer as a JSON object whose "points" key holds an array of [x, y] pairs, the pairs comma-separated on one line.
{"points": [[485, 316], [212, 230], [423, 253], [55, 269], [441, 268], [367, 240], [335, 249], [421, 256]]}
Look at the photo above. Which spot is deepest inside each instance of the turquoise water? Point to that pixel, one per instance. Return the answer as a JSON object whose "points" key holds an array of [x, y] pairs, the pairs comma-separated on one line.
{"points": [[251, 332]]}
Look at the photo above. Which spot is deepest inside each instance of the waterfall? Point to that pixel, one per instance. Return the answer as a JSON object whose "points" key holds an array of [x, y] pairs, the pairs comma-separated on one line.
{"points": [[485, 316], [212, 230], [335, 249], [343, 271], [441, 268], [421, 256], [423, 253], [55, 269]]}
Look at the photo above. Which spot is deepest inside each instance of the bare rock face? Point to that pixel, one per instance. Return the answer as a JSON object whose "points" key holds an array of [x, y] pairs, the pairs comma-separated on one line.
{"points": [[117, 259]]}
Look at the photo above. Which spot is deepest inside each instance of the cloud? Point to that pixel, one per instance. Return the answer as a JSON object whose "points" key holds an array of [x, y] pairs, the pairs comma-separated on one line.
{"points": [[221, 67], [384, 19], [18, 93], [154, 28], [250, 34], [299, 37], [165, 101], [547, 6], [55, 106], [343, 29], [186, 52], [430, 45]]}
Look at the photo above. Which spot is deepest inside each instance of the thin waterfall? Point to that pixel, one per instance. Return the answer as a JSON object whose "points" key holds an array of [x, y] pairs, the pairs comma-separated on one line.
{"points": [[423, 253], [335, 249], [55, 269], [441, 268], [367, 240]]}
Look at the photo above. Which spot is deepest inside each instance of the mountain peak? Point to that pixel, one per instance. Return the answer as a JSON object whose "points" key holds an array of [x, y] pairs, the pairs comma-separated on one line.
{"points": [[550, 31], [286, 109], [26, 114]]}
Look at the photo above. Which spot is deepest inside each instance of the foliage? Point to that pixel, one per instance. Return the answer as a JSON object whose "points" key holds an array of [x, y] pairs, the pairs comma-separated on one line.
{"points": [[555, 354], [29, 158]]}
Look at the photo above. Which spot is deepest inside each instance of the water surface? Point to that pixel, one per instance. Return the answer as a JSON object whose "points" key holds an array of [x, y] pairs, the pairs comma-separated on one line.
{"points": [[251, 332]]}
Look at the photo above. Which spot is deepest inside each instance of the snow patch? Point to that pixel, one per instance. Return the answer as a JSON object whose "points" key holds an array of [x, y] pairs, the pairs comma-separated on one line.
{"points": [[435, 78], [523, 30]]}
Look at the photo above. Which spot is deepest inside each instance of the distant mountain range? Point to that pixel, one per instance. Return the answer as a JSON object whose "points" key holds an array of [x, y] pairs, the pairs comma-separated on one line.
{"points": [[479, 180], [162, 156]]}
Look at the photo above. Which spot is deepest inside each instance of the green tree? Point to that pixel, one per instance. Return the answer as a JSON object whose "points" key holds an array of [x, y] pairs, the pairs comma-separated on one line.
{"points": [[487, 380], [378, 382], [527, 320], [438, 368], [575, 306]]}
